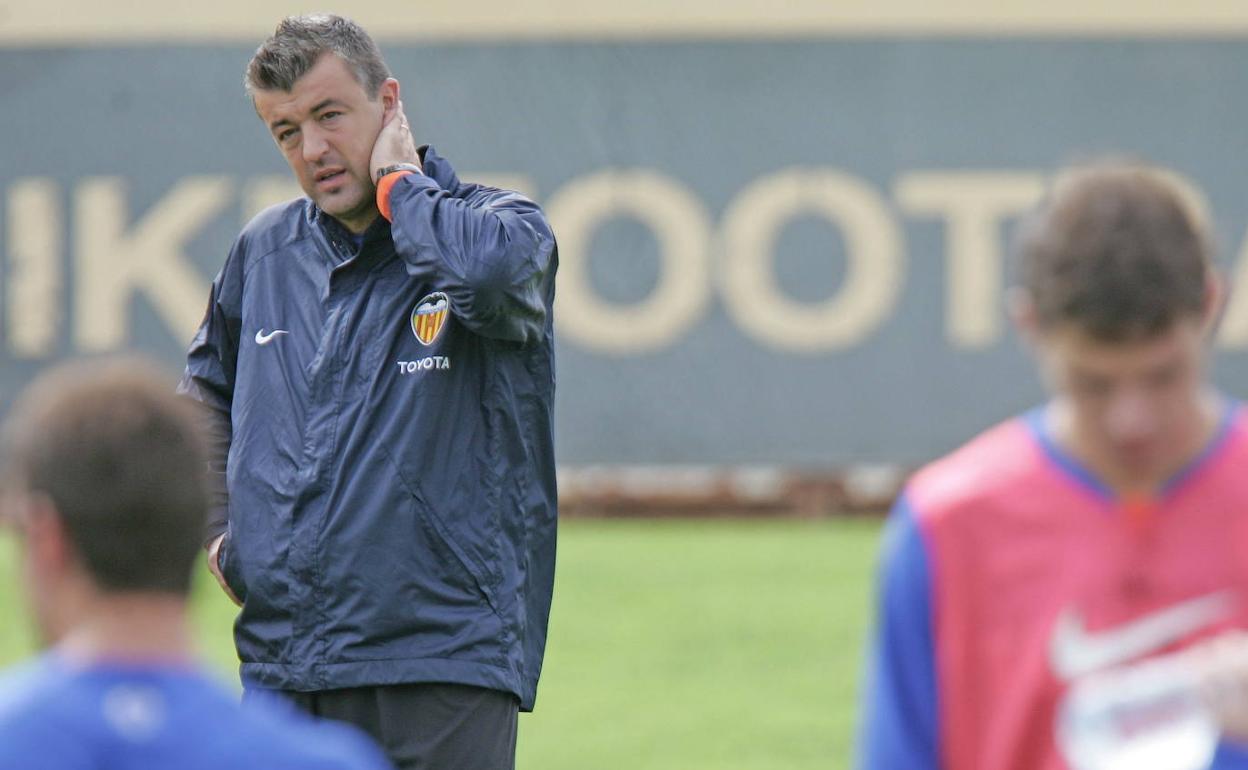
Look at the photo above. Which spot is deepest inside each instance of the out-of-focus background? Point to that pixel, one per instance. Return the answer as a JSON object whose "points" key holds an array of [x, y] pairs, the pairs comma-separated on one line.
{"points": [[783, 232]]}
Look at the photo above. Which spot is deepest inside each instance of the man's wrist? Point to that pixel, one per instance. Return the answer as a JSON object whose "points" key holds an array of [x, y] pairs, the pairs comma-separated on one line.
{"points": [[395, 168], [386, 177]]}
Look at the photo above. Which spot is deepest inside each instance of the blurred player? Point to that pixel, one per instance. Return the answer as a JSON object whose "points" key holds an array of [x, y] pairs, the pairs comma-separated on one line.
{"points": [[1030, 579], [105, 486]]}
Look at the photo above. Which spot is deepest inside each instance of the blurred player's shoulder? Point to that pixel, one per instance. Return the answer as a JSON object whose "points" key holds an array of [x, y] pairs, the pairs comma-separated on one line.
{"points": [[1218, 471], [28, 686], [35, 700], [1002, 462], [57, 716], [1236, 439]]}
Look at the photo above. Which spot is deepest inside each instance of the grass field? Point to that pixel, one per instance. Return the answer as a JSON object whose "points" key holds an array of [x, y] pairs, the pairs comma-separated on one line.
{"points": [[673, 644]]}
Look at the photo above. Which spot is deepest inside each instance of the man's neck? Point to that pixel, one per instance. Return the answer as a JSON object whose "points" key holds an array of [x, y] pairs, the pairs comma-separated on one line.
{"points": [[130, 628], [1206, 416], [357, 223]]}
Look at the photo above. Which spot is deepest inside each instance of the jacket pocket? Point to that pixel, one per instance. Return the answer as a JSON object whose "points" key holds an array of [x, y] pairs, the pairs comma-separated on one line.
{"points": [[477, 555]]}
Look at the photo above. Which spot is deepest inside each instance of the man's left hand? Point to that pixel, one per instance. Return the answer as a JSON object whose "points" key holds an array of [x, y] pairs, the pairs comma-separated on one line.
{"points": [[394, 144], [214, 566]]}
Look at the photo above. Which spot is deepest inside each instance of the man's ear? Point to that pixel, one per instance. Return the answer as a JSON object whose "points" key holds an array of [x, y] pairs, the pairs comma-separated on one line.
{"points": [[1022, 311], [389, 94], [46, 536], [1215, 301]]}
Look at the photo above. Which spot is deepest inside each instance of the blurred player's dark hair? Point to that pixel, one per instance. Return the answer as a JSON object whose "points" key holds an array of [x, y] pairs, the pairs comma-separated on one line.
{"points": [[300, 41], [122, 461], [1116, 252]]}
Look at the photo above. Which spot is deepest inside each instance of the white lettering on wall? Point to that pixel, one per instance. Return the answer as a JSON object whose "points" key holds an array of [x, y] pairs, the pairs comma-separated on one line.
{"points": [[873, 246], [682, 227], [115, 260], [113, 264], [34, 299], [972, 205]]}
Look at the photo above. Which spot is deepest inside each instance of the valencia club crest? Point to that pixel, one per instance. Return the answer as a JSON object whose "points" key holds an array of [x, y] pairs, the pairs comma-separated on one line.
{"points": [[429, 317]]}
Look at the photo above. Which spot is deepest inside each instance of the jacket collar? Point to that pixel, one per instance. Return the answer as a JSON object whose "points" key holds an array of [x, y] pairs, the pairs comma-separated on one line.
{"points": [[374, 242]]}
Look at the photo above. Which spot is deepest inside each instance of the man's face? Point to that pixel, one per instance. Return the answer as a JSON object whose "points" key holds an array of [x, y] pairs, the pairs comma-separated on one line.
{"points": [[1136, 406], [326, 127]]}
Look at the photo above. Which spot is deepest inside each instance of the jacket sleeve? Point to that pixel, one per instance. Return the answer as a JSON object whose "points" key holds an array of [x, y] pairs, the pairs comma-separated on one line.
{"points": [[211, 364], [899, 727], [490, 251]]}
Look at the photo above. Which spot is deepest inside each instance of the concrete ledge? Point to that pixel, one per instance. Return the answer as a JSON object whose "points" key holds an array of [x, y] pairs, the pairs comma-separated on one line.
{"points": [[719, 491]]}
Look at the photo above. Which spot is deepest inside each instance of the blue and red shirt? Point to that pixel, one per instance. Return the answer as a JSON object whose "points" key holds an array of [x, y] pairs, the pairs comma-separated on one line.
{"points": [[1010, 574]]}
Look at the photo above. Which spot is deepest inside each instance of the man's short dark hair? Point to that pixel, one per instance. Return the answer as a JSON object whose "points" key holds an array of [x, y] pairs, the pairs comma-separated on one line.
{"points": [[122, 460], [1116, 252], [300, 41]]}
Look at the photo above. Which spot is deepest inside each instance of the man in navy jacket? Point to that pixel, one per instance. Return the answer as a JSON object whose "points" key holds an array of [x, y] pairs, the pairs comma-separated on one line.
{"points": [[377, 362]]}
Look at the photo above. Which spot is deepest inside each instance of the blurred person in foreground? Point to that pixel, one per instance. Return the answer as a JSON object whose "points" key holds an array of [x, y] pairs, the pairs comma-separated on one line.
{"points": [[105, 485], [377, 362], [1040, 585]]}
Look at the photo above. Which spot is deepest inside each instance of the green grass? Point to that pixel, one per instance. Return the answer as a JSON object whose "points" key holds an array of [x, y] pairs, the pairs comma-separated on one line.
{"points": [[673, 644]]}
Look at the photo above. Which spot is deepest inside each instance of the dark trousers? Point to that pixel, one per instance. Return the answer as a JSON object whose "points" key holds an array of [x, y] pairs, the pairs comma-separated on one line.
{"points": [[423, 726]]}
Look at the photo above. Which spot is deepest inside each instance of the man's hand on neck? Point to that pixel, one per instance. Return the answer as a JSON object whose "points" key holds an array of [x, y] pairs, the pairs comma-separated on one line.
{"points": [[394, 144]]}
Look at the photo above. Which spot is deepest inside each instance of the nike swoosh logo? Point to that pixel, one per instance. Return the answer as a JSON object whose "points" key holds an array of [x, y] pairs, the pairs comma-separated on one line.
{"points": [[1076, 652], [264, 339]]}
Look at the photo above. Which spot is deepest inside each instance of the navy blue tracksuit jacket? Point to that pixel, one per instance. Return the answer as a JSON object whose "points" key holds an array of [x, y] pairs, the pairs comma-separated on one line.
{"points": [[383, 420]]}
